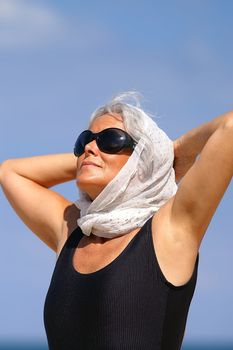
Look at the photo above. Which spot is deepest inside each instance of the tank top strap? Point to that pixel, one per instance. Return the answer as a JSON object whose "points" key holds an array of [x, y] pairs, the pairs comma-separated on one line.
{"points": [[70, 244], [74, 238]]}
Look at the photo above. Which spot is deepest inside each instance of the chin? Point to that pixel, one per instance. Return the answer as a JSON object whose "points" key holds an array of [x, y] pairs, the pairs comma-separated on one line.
{"points": [[91, 188]]}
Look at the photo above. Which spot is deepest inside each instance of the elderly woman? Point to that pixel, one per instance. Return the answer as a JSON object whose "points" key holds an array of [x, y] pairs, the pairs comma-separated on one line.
{"points": [[128, 248]]}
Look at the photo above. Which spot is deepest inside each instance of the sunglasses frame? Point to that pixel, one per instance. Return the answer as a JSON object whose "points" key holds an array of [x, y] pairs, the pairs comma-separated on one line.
{"points": [[128, 141]]}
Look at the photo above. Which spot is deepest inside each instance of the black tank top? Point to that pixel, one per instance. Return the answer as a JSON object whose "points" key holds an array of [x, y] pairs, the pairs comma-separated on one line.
{"points": [[126, 305]]}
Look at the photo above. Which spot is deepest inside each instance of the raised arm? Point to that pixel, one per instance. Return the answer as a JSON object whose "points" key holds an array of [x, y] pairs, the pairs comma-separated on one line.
{"points": [[204, 183], [181, 223], [26, 183]]}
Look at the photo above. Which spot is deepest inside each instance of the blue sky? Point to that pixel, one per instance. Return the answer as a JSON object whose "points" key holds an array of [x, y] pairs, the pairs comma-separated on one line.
{"points": [[58, 62]]}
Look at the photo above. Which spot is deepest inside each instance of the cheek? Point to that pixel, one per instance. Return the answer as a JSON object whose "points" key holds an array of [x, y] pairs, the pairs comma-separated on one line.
{"points": [[115, 163], [79, 162]]}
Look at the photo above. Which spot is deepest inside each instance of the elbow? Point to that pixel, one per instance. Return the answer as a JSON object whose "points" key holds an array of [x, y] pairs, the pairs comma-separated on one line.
{"points": [[228, 122], [5, 168]]}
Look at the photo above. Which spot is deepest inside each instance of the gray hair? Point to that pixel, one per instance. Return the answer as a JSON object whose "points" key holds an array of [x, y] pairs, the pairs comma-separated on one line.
{"points": [[134, 119]]}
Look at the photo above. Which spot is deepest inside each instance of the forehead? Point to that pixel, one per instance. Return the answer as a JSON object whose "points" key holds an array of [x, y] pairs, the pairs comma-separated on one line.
{"points": [[107, 121]]}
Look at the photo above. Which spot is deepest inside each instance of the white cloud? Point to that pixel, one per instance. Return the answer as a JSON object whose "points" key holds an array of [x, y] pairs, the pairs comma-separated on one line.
{"points": [[26, 24]]}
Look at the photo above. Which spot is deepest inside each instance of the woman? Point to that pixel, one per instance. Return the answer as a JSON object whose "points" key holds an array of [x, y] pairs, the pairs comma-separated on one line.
{"points": [[128, 248]]}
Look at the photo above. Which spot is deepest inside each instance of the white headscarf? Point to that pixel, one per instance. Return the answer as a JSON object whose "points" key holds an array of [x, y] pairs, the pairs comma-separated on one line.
{"points": [[131, 198]]}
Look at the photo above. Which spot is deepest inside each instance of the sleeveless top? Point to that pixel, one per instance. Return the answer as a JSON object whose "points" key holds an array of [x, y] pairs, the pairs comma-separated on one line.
{"points": [[126, 305]]}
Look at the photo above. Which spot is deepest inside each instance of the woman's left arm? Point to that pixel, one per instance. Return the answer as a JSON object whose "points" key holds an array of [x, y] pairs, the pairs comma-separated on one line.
{"points": [[205, 180]]}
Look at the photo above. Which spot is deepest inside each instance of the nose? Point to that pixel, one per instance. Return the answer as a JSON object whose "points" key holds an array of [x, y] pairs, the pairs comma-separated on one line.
{"points": [[91, 148]]}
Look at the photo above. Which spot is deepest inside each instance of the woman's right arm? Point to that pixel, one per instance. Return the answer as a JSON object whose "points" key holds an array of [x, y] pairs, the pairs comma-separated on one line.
{"points": [[26, 183]]}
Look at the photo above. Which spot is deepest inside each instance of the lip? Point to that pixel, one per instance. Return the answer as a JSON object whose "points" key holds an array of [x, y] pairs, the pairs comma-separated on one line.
{"points": [[88, 163]]}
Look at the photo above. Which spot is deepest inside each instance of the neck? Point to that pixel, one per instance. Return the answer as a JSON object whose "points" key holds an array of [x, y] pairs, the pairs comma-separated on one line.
{"points": [[98, 240], [102, 240]]}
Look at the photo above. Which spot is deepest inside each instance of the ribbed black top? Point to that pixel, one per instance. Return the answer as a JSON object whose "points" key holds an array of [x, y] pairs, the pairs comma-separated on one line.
{"points": [[128, 304]]}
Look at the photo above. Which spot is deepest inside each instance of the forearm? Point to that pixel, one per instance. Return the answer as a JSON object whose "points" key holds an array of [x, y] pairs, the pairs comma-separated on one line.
{"points": [[190, 145], [47, 170], [196, 138]]}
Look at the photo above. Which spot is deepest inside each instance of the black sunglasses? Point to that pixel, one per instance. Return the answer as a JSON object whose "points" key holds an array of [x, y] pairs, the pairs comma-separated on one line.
{"points": [[111, 140]]}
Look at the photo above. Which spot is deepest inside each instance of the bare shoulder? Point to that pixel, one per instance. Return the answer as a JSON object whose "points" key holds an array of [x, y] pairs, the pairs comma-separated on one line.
{"points": [[175, 248], [70, 216]]}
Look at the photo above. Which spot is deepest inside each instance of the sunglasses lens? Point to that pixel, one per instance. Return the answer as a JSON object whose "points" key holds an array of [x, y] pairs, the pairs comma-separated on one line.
{"points": [[84, 138], [111, 140]]}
